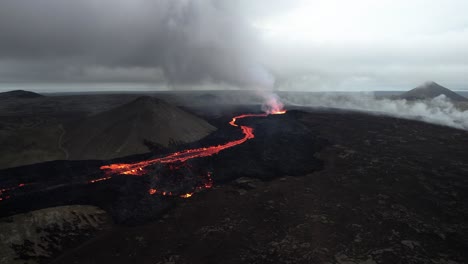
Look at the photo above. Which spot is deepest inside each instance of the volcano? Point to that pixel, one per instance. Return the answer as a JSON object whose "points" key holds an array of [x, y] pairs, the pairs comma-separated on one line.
{"points": [[128, 129], [19, 94], [430, 90]]}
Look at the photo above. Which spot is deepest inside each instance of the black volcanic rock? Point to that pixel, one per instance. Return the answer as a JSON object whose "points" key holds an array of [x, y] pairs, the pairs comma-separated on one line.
{"points": [[377, 199], [387, 190], [19, 94], [127, 129], [430, 90], [47, 232]]}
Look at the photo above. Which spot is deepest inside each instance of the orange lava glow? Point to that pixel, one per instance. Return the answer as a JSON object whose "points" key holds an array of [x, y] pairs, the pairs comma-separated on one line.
{"points": [[138, 168], [187, 195], [154, 191], [100, 179], [278, 112], [4, 191]]}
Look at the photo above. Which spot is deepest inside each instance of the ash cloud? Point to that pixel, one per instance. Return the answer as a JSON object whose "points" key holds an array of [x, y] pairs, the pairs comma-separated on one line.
{"points": [[439, 110], [186, 42], [312, 45]]}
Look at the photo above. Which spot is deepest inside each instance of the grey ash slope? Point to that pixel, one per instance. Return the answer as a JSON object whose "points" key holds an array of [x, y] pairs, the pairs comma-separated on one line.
{"points": [[122, 131], [430, 90]]}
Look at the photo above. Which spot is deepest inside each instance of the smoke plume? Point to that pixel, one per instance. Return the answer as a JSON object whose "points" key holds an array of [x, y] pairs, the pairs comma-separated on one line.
{"points": [[439, 110], [178, 42], [190, 41]]}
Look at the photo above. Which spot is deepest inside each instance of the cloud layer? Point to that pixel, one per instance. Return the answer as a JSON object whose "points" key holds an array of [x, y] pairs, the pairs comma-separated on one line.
{"points": [[178, 41], [304, 45]]}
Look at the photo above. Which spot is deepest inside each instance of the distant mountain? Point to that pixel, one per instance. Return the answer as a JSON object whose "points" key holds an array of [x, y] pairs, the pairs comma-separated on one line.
{"points": [[19, 94], [122, 131], [431, 90]]}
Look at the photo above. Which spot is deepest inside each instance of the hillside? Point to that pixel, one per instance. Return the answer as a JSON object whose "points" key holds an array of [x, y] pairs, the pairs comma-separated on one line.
{"points": [[430, 90], [44, 233], [122, 131], [19, 94]]}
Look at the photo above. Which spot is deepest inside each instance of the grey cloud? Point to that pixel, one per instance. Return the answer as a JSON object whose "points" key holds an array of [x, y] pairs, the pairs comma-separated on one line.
{"points": [[189, 41]]}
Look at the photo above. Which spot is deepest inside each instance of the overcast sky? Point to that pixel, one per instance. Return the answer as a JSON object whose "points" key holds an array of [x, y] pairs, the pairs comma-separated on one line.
{"points": [[181, 44]]}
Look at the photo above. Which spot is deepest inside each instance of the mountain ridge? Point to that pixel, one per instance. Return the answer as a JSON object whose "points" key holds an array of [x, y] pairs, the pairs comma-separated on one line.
{"points": [[122, 131], [430, 90], [19, 94]]}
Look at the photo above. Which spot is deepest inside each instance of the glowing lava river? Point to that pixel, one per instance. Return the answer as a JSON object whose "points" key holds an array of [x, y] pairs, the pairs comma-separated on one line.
{"points": [[138, 168], [174, 161]]}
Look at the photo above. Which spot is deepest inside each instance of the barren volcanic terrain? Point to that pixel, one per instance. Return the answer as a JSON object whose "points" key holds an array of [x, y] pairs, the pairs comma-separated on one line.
{"points": [[309, 186]]}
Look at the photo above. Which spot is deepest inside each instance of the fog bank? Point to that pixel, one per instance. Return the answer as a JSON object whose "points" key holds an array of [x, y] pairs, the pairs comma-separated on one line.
{"points": [[439, 110]]}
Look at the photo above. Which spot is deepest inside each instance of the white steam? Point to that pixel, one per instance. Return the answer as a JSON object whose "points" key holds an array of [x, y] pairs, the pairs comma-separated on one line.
{"points": [[439, 110], [271, 102]]}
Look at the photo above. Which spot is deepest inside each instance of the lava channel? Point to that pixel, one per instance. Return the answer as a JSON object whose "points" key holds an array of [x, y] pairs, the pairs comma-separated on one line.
{"points": [[138, 168]]}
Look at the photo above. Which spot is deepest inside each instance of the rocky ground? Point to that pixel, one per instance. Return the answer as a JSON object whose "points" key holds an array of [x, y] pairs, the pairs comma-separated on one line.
{"points": [[367, 189], [38, 236]]}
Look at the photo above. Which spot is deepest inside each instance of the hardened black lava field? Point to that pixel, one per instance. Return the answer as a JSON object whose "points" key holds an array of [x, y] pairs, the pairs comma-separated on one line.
{"points": [[314, 185]]}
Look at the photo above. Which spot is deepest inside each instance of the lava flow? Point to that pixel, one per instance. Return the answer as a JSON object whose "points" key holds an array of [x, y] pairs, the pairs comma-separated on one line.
{"points": [[138, 168], [175, 159], [4, 191]]}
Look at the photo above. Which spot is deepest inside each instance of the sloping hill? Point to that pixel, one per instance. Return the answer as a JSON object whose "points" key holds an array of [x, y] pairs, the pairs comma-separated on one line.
{"points": [[121, 131], [431, 90], [19, 94]]}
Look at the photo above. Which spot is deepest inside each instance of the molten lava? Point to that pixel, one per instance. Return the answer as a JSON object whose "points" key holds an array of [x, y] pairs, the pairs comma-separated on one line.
{"points": [[174, 160], [154, 191], [4, 192], [100, 179], [138, 168]]}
